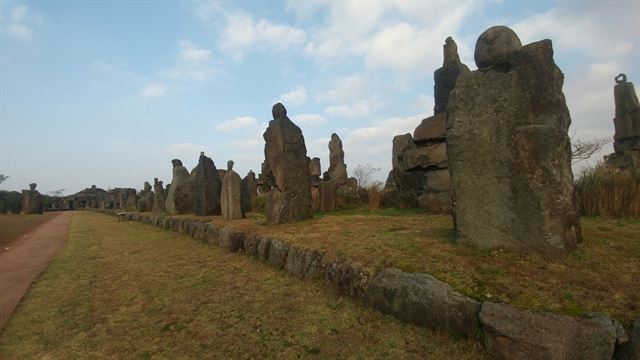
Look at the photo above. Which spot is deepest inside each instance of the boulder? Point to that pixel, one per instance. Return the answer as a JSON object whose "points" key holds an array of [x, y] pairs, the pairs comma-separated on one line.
{"points": [[423, 300], [159, 196], [231, 196], [212, 235], [337, 168], [147, 198], [446, 76], [277, 255], [628, 345], [328, 192], [495, 46], [510, 333], [249, 191], [231, 240], [510, 156], [31, 200], [431, 129]]}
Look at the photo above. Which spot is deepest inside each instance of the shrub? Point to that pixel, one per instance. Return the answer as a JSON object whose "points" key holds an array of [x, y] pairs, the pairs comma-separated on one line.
{"points": [[608, 192]]}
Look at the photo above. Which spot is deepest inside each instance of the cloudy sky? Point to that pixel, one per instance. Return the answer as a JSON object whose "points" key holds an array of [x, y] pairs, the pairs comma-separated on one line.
{"points": [[107, 93]]}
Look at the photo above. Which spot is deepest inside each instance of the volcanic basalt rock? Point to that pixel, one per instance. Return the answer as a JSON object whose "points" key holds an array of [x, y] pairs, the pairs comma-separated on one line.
{"points": [[231, 196], [510, 155], [286, 166]]}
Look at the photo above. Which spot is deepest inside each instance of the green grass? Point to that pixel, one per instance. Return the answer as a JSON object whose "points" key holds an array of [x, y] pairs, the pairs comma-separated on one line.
{"points": [[600, 276], [12, 226], [130, 290]]}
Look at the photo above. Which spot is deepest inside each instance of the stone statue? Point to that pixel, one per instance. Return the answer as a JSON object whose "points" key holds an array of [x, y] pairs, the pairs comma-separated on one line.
{"points": [[230, 199]]}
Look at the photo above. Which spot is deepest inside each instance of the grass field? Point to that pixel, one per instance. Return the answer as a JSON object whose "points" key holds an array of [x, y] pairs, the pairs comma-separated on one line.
{"points": [[129, 290], [12, 226], [601, 275]]}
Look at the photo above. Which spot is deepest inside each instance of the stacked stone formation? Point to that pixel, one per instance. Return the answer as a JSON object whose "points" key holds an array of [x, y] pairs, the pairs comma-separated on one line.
{"points": [[147, 197], [31, 200], [337, 167], [127, 199], [627, 126], [420, 175], [180, 194], [231, 194], [315, 171], [207, 187], [286, 167], [160, 196], [508, 149], [249, 191]]}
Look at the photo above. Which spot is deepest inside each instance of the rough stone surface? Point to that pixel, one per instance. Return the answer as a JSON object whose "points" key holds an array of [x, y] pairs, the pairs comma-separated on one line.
{"points": [[251, 244], [431, 129], [249, 191], [288, 170], [147, 198], [495, 46], [628, 345], [519, 334], [277, 255], [627, 119], [200, 232], [347, 194], [295, 262], [212, 235], [263, 248], [230, 199], [231, 240], [345, 279], [435, 201], [446, 76], [159, 196], [328, 192], [510, 156], [314, 168], [423, 300], [337, 168], [207, 187], [31, 200], [180, 194]]}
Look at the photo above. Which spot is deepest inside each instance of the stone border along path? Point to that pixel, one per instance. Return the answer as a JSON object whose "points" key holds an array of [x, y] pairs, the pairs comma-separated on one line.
{"points": [[28, 257], [421, 299]]}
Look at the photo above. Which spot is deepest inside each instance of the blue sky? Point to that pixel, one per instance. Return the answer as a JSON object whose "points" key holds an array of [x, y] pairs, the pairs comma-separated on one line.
{"points": [[107, 93]]}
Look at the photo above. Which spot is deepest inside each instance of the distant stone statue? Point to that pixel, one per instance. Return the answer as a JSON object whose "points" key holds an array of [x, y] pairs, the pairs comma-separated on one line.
{"points": [[180, 194], [337, 167], [230, 199], [627, 120], [31, 200], [509, 154], [159, 196], [147, 197], [249, 191], [287, 169], [207, 187]]}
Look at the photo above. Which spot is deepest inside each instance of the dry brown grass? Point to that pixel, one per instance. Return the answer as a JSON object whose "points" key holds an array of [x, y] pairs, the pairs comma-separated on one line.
{"points": [[12, 226], [601, 275], [129, 290], [602, 191]]}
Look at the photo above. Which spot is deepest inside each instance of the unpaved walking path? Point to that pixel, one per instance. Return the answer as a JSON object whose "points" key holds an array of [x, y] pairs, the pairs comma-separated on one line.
{"points": [[27, 258]]}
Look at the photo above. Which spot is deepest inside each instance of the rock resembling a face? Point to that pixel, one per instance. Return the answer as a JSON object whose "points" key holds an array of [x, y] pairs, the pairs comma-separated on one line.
{"points": [[230, 165], [278, 111], [494, 45]]}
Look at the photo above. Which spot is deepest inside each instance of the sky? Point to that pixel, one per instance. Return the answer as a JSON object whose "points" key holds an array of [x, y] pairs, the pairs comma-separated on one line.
{"points": [[107, 93]]}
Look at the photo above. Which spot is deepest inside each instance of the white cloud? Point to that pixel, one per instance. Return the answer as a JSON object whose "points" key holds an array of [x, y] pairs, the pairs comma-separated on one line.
{"points": [[192, 63], [19, 13], [309, 119], [347, 88], [19, 25], [294, 97], [154, 90], [241, 33], [237, 123], [354, 110], [20, 32]]}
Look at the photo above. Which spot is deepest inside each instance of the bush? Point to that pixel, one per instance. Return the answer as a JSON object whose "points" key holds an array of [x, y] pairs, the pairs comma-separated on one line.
{"points": [[608, 192], [259, 203]]}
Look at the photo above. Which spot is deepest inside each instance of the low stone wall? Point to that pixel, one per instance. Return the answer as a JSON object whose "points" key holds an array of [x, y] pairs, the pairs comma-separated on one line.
{"points": [[421, 299]]}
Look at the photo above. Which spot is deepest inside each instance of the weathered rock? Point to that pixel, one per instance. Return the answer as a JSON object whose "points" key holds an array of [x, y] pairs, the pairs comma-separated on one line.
{"points": [[438, 180], [277, 255], [328, 193], [426, 158], [287, 165], [315, 198], [337, 168], [31, 200], [263, 248], [230, 198], [314, 168], [495, 46], [431, 129], [520, 334], [251, 244], [199, 232], [435, 201], [159, 196], [423, 300], [180, 194], [231, 240], [212, 235], [627, 120], [347, 194], [147, 198], [294, 262], [628, 348], [401, 199], [510, 156], [207, 188], [249, 191], [345, 279], [445, 77]]}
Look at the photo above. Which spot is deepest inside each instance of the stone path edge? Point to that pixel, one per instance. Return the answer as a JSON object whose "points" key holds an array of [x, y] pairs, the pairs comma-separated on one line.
{"points": [[421, 299]]}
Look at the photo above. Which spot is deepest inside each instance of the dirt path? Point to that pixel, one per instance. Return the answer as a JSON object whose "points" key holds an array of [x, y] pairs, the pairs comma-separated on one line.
{"points": [[27, 258]]}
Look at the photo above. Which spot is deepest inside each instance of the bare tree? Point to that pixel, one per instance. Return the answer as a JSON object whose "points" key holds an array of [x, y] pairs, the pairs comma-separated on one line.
{"points": [[582, 150], [3, 178], [363, 174]]}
